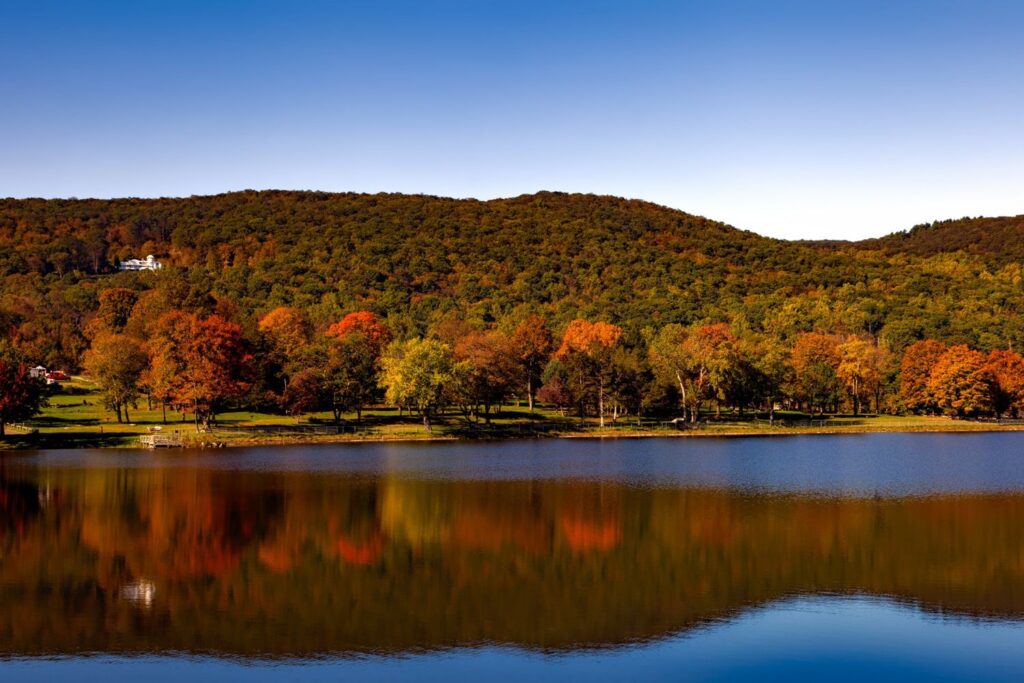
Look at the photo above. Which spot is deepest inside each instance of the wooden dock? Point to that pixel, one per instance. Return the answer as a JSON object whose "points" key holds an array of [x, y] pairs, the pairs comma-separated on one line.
{"points": [[161, 440]]}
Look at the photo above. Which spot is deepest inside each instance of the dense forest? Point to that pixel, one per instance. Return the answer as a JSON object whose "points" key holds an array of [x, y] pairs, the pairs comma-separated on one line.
{"points": [[265, 273]]}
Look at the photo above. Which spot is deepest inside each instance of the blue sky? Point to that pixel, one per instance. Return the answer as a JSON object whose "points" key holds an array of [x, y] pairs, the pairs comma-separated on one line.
{"points": [[793, 119]]}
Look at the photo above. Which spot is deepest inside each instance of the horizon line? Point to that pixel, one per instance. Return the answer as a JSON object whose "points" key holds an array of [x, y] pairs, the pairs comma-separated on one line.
{"points": [[182, 197]]}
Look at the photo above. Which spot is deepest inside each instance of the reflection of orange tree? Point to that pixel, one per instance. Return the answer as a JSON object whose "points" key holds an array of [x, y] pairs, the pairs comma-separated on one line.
{"points": [[174, 528], [589, 517], [300, 563]]}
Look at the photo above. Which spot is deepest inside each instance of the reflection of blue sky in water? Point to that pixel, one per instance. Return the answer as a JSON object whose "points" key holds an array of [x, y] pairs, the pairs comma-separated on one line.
{"points": [[822, 638], [863, 464]]}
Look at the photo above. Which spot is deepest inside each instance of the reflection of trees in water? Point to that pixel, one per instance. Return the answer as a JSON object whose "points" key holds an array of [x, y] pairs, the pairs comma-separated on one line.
{"points": [[301, 563]]}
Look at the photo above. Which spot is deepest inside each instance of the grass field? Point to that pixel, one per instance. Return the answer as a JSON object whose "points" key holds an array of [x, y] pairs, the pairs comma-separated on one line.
{"points": [[75, 417]]}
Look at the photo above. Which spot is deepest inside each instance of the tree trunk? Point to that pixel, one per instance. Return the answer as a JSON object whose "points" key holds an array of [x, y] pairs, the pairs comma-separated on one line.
{"points": [[600, 403], [3, 428], [426, 420], [682, 392], [117, 409], [529, 392], [126, 418], [164, 407]]}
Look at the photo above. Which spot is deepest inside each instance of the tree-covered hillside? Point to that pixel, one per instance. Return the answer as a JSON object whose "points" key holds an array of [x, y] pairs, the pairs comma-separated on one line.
{"points": [[419, 261], [998, 240]]}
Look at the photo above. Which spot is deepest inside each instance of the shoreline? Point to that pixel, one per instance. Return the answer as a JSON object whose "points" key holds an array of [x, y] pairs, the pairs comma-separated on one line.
{"points": [[47, 441]]}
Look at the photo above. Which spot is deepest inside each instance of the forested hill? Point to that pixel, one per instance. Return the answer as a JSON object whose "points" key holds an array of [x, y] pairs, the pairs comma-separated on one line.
{"points": [[999, 240], [421, 260]]}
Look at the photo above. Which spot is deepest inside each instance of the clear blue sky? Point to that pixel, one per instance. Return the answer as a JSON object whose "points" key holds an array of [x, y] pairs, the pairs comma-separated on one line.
{"points": [[794, 119]]}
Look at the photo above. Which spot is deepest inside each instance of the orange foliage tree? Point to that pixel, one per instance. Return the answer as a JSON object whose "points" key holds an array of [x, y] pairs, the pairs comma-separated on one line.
{"points": [[915, 373], [286, 329], [586, 352], [531, 343], [961, 382], [862, 367], [712, 358], [1007, 371], [815, 360]]}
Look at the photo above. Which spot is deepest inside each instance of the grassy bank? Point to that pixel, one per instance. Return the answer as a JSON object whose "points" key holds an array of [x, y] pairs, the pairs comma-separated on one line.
{"points": [[75, 418]]}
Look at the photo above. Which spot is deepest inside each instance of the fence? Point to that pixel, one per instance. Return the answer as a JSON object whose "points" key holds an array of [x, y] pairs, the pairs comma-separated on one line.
{"points": [[157, 440], [18, 428]]}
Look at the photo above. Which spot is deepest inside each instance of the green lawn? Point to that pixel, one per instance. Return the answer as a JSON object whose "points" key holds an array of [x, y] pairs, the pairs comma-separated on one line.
{"points": [[75, 417]]}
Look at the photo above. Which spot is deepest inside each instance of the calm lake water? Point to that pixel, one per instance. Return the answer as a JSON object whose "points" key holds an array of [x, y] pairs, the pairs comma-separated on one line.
{"points": [[889, 556]]}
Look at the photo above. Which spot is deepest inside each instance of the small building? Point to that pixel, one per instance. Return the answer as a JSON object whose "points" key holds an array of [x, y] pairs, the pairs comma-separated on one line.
{"points": [[148, 263], [38, 372], [57, 376]]}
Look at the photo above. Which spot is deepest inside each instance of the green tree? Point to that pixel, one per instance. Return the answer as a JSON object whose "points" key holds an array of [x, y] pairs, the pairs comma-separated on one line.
{"points": [[116, 363], [350, 375], [421, 374]]}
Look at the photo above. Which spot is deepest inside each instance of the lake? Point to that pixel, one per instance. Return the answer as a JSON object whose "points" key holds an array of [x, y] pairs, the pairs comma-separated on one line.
{"points": [[889, 556]]}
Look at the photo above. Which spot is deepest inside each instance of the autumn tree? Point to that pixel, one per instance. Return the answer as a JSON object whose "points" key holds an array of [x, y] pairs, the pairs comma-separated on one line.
{"points": [[366, 323], [815, 360], [915, 372], [21, 394], [286, 330], [712, 356], [630, 381], [490, 371], [554, 392], [200, 362], [421, 374], [116, 363], [532, 344], [771, 361], [861, 369], [115, 309], [350, 373], [961, 383], [1006, 369], [586, 352], [354, 348], [670, 361], [306, 393]]}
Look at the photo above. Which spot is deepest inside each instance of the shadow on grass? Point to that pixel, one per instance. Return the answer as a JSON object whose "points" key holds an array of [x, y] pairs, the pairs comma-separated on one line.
{"points": [[68, 439], [53, 421], [480, 430]]}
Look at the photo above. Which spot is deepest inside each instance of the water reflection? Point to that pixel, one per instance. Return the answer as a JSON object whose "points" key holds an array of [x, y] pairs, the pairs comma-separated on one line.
{"points": [[299, 564]]}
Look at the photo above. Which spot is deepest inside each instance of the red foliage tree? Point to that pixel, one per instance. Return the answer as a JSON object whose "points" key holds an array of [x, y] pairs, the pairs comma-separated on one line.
{"points": [[365, 323], [202, 362], [21, 394]]}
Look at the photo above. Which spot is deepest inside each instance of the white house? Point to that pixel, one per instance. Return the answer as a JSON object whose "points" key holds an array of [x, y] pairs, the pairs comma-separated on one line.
{"points": [[149, 263], [38, 372]]}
